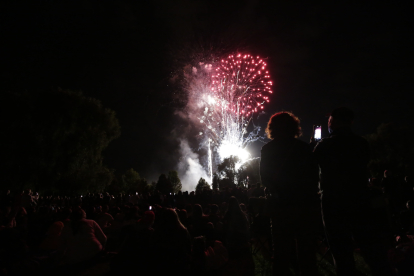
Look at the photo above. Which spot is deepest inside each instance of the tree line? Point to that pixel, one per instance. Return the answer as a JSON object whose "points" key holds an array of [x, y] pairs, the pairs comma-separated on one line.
{"points": [[52, 141]]}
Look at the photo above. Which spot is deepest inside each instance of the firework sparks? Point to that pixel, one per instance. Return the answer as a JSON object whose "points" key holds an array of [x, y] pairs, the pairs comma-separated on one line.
{"points": [[242, 84], [224, 96], [239, 86]]}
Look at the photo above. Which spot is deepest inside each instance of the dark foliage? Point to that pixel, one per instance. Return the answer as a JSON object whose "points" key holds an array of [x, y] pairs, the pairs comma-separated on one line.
{"points": [[202, 185], [392, 147], [170, 184], [54, 140]]}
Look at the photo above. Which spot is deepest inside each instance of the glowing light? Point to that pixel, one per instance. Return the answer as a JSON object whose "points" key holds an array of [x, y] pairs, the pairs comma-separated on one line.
{"points": [[227, 149], [229, 96], [210, 99]]}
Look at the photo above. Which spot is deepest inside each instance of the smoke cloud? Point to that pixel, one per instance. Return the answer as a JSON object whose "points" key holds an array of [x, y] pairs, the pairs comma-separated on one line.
{"points": [[191, 137], [189, 168]]}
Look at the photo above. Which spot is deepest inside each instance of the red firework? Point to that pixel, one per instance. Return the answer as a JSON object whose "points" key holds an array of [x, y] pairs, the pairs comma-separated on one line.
{"points": [[242, 83]]}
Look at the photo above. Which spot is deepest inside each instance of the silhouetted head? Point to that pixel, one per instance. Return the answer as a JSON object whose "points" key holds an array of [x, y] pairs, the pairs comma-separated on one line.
{"points": [[243, 207], [78, 214], [199, 246], [197, 211], [283, 124], [409, 205], [387, 173], [189, 209], [375, 182], [339, 118], [214, 209], [55, 229], [170, 219], [182, 215], [234, 207]]}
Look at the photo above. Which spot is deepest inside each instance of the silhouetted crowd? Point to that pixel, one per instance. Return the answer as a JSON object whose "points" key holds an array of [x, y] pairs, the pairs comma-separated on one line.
{"points": [[187, 233], [316, 197], [183, 232]]}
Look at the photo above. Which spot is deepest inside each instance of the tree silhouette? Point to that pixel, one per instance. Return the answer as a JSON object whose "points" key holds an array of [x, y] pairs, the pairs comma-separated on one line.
{"points": [[216, 180], [227, 168], [249, 172], [164, 184], [132, 182], [227, 173], [392, 147], [175, 181], [54, 140], [202, 185]]}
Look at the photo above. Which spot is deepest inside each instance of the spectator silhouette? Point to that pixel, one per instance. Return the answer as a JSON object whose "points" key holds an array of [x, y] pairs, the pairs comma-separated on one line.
{"points": [[27, 198], [290, 174], [52, 240], [199, 221], [171, 244], [104, 219], [236, 228], [135, 249], [258, 191], [343, 158], [392, 189], [207, 258], [406, 218], [81, 239], [407, 192]]}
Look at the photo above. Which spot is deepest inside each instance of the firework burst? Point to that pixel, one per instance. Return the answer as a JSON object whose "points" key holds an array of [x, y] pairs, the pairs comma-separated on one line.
{"points": [[231, 91]]}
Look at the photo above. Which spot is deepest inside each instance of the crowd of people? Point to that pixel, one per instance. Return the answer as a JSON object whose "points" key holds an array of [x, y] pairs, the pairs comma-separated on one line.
{"points": [[184, 232], [305, 196]]}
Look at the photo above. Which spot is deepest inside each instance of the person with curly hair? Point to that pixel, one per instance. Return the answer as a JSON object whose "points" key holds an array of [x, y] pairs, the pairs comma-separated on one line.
{"points": [[290, 174]]}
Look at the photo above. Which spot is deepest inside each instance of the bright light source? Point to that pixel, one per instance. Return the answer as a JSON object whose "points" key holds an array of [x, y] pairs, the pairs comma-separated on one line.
{"points": [[228, 149], [318, 133]]}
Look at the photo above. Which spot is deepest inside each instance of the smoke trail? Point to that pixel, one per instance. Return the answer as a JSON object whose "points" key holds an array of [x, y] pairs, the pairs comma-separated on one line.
{"points": [[189, 168]]}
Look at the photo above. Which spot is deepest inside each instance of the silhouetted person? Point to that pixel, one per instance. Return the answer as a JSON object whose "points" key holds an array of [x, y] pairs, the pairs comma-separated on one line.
{"points": [[198, 222], [171, 244], [407, 217], [390, 187], [258, 191], [6, 199], [407, 189], [343, 158], [81, 239], [135, 250], [236, 228], [207, 258], [27, 198], [290, 174], [104, 219]]}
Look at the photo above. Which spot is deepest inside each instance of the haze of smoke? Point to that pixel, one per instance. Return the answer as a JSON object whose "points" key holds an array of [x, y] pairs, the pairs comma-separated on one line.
{"points": [[189, 169]]}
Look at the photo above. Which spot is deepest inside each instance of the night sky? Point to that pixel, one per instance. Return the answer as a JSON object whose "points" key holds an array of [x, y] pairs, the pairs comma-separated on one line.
{"points": [[125, 53]]}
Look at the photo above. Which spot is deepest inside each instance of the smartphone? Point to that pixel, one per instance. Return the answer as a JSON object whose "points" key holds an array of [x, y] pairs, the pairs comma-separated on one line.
{"points": [[317, 132]]}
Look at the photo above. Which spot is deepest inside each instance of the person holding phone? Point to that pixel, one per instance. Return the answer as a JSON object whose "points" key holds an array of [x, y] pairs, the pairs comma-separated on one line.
{"points": [[290, 174], [343, 160], [316, 136]]}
